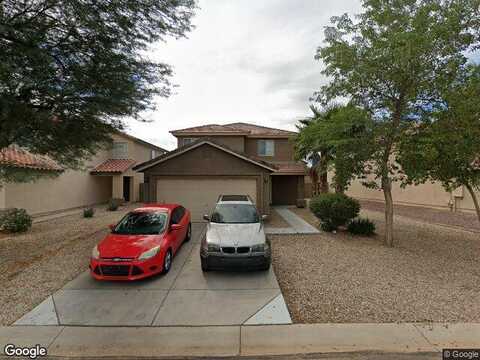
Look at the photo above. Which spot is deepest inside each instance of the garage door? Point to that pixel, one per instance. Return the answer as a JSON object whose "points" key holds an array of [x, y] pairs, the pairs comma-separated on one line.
{"points": [[200, 195]]}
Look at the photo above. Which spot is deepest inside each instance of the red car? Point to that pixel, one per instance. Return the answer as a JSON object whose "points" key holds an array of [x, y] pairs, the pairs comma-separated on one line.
{"points": [[142, 244]]}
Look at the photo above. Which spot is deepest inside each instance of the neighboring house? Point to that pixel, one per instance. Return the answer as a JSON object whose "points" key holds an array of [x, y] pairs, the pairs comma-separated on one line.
{"points": [[236, 158], [107, 175]]}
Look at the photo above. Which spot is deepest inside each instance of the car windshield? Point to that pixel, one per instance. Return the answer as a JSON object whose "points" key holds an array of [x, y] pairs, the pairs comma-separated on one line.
{"points": [[235, 214], [142, 223]]}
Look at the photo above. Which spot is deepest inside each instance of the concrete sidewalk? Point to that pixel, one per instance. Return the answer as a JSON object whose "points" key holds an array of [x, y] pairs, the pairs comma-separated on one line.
{"points": [[215, 341], [297, 224]]}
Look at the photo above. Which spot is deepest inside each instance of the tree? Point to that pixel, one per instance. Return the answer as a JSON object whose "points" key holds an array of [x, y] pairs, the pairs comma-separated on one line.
{"points": [[449, 150], [394, 62], [340, 135], [71, 70], [309, 148]]}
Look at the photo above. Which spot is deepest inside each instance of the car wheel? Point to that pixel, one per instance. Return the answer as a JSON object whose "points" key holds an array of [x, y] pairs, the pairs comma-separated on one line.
{"points": [[167, 261], [266, 266], [189, 233], [204, 264]]}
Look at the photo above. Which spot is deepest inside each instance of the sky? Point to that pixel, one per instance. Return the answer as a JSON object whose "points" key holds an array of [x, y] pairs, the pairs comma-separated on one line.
{"points": [[246, 61]]}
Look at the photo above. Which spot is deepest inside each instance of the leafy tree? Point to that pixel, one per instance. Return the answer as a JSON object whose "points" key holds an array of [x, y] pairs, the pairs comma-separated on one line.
{"points": [[449, 150], [71, 70], [394, 61]]}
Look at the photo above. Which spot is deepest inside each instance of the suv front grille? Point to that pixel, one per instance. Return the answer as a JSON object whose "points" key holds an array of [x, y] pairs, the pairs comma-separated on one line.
{"points": [[228, 250], [238, 250], [243, 249]]}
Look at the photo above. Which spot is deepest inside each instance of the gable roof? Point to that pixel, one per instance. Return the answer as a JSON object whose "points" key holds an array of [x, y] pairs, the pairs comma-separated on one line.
{"points": [[15, 156], [202, 141], [238, 128]]}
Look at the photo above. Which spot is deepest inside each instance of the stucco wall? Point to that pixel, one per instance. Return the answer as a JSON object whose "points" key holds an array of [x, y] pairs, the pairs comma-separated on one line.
{"points": [[236, 143], [2, 197], [71, 189], [283, 149], [428, 194]]}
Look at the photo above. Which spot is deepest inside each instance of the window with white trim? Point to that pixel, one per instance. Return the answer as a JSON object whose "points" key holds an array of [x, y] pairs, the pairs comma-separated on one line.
{"points": [[120, 150], [153, 154], [266, 147], [186, 141]]}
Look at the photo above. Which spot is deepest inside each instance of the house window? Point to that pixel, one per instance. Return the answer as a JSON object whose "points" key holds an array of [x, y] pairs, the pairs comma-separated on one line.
{"points": [[153, 154], [120, 150], [266, 148], [187, 141]]}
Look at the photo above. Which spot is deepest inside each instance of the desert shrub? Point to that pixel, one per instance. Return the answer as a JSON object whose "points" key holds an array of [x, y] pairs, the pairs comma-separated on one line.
{"points": [[88, 212], [361, 227], [15, 220], [334, 209], [113, 204]]}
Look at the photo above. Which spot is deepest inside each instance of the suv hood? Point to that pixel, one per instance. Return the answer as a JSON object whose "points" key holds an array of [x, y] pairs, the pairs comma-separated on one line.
{"points": [[235, 234]]}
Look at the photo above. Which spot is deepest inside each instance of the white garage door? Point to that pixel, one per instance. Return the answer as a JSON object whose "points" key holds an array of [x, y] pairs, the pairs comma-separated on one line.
{"points": [[200, 195]]}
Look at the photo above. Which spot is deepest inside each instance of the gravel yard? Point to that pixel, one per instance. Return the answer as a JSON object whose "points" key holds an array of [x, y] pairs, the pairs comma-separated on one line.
{"points": [[35, 264], [432, 274], [274, 220]]}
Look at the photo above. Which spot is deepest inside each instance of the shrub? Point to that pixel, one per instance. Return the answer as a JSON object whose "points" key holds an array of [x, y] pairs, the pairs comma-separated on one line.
{"points": [[113, 204], [334, 209], [88, 212], [15, 220], [361, 227]]}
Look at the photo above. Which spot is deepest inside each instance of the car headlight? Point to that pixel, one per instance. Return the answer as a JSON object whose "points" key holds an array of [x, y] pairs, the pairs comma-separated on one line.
{"points": [[258, 248], [213, 248], [149, 253], [95, 253]]}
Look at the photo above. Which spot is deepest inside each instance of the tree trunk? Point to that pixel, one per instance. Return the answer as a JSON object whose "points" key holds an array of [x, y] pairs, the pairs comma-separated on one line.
{"points": [[323, 180], [387, 193], [475, 200]]}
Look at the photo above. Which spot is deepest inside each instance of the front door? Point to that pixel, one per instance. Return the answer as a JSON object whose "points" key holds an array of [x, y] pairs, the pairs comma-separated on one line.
{"points": [[126, 188]]}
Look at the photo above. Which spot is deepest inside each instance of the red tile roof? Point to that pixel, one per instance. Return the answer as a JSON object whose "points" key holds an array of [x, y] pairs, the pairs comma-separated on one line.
{"points": [[114, 166], [17, 157], [235, 128]]}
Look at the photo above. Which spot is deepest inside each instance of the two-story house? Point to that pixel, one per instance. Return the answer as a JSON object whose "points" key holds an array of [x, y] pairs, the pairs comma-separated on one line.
{"points": [[106, 175], [236, 158]]}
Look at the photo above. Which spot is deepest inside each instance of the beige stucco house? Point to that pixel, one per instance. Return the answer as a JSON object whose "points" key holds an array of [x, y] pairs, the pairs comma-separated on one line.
{"points": [[107, 175]]}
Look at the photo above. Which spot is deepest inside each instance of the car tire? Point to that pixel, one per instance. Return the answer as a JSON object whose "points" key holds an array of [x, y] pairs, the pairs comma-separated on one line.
{"points": [[266, 266], [167, 262], [204, 264], [189, 233]]}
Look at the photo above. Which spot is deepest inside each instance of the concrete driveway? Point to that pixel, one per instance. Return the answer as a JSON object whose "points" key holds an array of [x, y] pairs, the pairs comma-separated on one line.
{"points": [[185, 296]]}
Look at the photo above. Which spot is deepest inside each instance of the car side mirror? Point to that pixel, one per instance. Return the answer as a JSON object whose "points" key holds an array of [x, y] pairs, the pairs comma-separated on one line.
{"points": [[112, 227], [174, 227], [206, 217], [264, 217]]}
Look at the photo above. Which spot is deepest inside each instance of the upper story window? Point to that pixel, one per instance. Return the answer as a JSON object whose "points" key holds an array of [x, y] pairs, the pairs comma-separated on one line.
{"points": [[153, 154], [186, 141], [120, 150], [266, 148]]}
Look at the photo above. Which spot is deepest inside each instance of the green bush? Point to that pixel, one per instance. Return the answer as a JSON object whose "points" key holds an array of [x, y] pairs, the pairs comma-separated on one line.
{"points": [[88, 212], [334, 209], [15, 220], [361, 227], [113, 204]]}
